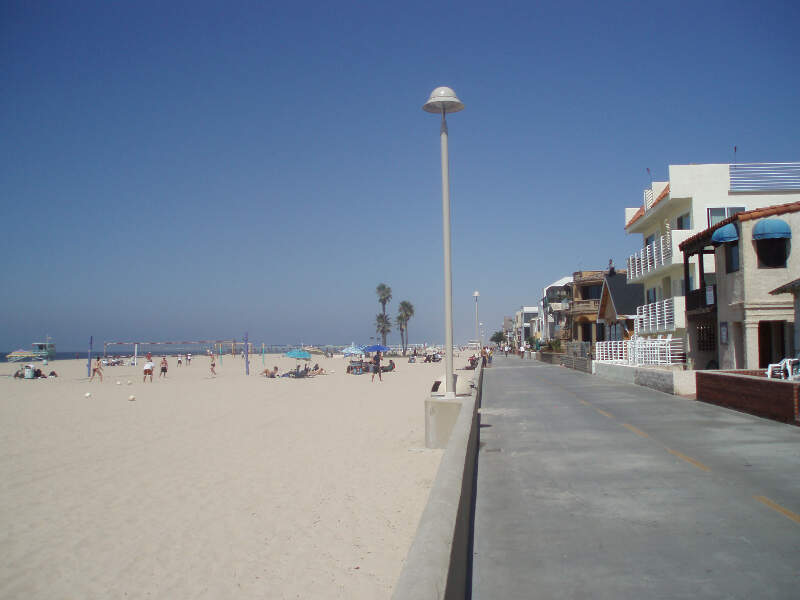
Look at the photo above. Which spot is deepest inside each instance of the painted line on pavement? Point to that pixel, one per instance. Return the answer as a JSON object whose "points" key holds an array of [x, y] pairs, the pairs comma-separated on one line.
{"points": [[689, 460], [778, 508], [635, 430]]}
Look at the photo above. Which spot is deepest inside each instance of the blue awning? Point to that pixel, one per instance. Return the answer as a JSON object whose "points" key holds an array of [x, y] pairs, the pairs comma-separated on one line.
{"points": [[771, 229], [724, 234]]}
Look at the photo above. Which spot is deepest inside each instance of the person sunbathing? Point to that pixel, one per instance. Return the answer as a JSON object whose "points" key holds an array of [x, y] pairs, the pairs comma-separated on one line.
{"points": [[317, 370], [270, 373]]}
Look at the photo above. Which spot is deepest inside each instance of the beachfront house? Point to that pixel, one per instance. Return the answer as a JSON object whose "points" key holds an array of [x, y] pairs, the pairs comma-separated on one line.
{"points": [[553, 309], [736, 322], [582, 314], [694, 198], [524, 324], [617, 307]]}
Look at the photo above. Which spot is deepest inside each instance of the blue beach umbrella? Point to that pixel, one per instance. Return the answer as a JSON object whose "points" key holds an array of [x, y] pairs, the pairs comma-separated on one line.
{"points": [[299, 354], [376, 348]]}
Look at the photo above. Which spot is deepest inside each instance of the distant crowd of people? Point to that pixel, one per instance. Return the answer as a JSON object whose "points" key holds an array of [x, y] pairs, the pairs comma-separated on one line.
{"points": [[31, 372]]}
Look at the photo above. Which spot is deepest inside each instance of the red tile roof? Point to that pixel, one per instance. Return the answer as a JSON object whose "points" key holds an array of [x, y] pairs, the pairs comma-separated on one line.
{"points": [[640, 212], [757, 213]]}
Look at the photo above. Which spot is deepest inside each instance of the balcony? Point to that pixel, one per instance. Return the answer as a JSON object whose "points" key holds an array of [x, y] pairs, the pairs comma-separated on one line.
{"points": [[661, 317], [663, 252], [702, 300], [588, 277], [584, 307], [557, 306], [647, 201]]}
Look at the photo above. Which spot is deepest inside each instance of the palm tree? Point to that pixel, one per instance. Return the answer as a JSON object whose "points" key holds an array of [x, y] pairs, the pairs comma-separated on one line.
{"points": [[406, 309], [401, 320], [384, 296], [383, 326]]}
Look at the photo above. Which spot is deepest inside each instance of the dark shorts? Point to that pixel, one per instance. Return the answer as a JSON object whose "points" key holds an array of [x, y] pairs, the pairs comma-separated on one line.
{"points": [[163, 369], [148, 371]]}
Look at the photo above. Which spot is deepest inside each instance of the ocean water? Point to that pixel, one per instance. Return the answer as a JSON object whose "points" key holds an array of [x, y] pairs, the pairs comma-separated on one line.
{"points": [[158, 351]]}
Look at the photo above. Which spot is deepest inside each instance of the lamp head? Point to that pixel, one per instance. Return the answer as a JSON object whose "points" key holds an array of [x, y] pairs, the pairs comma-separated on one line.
{"points": [[476, 294], [443, 99]]}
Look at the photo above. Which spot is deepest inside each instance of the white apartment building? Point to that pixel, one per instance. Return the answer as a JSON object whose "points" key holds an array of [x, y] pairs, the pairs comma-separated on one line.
{"points": [[694, 198]]}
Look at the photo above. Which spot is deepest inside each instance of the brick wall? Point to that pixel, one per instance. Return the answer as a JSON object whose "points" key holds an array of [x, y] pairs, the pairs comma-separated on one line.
{"points": [[770, 398]]}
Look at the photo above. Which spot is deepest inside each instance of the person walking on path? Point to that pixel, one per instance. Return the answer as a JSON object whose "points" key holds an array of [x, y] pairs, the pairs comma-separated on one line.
{"points": [[376, 363], [164, 367], [213, 364], [97, 370]]}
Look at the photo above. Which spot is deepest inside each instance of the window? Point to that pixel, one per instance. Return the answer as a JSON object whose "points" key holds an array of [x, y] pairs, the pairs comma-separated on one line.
{"points": [[706, 336], [684, 221], [772, 253], [650, 239], [651, 295], [732, 257], [715, 215]]}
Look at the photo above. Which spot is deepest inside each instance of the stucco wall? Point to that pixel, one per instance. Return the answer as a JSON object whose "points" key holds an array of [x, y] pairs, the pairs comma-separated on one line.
{"points": [[743, 297]]}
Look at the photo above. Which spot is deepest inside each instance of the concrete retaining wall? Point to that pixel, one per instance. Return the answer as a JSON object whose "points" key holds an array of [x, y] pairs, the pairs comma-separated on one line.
{"points": [[670, 381], [553, 358], [437, 564]]}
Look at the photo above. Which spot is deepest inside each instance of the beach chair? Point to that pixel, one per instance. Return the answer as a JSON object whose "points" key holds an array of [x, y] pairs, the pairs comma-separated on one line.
{"points": [[788, 368]]}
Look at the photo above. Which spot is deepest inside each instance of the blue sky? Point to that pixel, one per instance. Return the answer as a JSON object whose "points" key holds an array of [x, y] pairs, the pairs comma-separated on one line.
{"points": [[198, 170]]}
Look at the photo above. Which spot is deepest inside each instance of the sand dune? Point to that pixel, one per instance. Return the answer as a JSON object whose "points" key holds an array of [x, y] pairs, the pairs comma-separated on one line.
{"points": [[208, 487]]}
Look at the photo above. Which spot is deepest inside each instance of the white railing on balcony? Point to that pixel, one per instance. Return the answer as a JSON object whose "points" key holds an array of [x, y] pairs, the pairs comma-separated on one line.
{"points": [[663, 252], [651, 257], [655, 317], [648, 199], [641, 351], [759, 177]]}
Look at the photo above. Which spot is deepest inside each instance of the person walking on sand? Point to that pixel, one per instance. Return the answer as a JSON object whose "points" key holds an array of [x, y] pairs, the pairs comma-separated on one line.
{"points": [[376, 367], [180, 359], [97, 370], [148, 370], [188, 359], [213, 364], [164, 367]]}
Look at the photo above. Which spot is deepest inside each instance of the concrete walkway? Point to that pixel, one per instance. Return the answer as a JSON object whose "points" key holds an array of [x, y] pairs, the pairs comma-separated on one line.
{"points": [[588, 488]]}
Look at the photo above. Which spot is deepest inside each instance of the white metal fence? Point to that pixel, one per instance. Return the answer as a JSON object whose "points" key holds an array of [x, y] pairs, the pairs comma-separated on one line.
{"points": [[641, 351]]}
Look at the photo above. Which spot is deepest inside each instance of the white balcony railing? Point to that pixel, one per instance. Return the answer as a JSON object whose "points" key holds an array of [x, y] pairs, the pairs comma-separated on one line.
{"points": [[648, 199], [661, 317], [641, 351], [660, 253]]}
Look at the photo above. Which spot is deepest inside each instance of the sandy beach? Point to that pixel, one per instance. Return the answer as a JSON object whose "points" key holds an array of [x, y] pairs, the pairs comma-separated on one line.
{"points": [[203, 487]]}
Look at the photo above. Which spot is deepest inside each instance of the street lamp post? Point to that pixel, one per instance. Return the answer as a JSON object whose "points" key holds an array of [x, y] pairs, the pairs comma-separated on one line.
{"points": [[443, 100], [476, 295]]}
